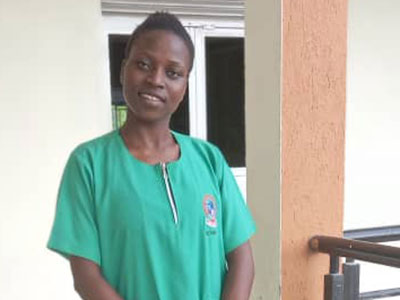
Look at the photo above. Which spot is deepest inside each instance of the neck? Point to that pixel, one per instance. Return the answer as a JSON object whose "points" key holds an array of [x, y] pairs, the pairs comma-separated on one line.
{"points": [[140, 135]]}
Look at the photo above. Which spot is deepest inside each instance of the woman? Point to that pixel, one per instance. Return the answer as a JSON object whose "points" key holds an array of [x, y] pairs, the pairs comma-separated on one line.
{"points": [[147, 213]]}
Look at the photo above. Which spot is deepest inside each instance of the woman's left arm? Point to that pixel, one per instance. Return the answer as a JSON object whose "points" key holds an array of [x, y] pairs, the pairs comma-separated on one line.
{"points": [[239, 279]]}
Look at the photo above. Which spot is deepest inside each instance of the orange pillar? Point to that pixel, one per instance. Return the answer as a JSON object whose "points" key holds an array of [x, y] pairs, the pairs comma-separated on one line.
{"points": [[313, 119]]}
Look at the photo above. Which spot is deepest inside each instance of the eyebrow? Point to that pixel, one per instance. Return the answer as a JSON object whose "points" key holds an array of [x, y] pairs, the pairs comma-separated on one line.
{"points": [[171, 62], [176, 63]]}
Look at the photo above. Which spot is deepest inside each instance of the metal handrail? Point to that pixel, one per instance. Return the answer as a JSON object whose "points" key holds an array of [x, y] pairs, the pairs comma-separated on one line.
{"points": [[371, 234], [346, 285], [360, 250], [379, 294], [374, 234]]}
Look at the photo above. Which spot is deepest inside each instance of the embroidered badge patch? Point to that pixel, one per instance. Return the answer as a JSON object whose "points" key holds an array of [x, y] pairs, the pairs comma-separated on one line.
{"points": [[210, 210]]}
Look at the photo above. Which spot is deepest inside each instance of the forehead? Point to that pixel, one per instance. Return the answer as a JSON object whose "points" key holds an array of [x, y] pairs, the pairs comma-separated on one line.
{"points": [[161, 43]]}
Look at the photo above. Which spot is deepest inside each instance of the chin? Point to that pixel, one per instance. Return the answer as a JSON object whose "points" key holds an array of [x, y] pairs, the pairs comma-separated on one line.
{"points": [[147, 117]]}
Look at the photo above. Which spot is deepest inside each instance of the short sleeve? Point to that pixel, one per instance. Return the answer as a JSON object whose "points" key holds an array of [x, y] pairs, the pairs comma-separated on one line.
{"points": [[238, 224], [75, 230]]}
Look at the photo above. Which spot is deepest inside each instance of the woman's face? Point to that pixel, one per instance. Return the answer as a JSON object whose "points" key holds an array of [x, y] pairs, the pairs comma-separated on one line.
{"points": [[154, 76]]}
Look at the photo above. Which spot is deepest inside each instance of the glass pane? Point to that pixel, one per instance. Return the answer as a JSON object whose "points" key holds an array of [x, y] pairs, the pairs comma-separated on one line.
{"points": [[180, 119], [225, 97], [116, 44]]}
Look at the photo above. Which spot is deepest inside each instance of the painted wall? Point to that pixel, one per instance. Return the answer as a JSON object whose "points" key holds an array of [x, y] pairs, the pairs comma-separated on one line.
{"points": [[313, 120], [372, 191], [263, 72], [53, 95]]}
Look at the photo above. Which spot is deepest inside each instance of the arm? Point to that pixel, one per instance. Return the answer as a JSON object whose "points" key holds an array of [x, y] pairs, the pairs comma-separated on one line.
{"points": [[89, 282], [239, 279]]}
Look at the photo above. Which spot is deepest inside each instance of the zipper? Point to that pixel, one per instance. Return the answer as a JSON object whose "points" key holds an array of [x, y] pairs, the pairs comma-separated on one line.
{"points": [[169, 192]]}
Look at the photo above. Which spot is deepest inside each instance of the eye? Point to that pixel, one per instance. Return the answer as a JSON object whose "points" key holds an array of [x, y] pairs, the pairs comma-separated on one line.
{"points": [[143, 64], [174, 74]]}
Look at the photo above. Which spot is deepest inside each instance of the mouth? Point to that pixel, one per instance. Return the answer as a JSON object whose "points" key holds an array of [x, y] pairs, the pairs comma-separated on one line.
{"points": [[151, 97]]}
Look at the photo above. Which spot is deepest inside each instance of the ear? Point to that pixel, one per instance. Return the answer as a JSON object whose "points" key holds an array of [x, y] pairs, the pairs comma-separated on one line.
{"points": [[122, 72]]}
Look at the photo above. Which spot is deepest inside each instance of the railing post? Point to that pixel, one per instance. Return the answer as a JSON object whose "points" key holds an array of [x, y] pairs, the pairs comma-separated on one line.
{"points": [[336, 286], [334, 281], [351, 272]]}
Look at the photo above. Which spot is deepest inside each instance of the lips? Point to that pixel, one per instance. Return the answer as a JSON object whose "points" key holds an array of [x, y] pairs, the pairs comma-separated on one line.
{"points": [[151, 97]]}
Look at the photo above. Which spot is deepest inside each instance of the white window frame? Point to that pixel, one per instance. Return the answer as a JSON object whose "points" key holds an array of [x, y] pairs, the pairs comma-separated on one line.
{"points": [[200, 100]]}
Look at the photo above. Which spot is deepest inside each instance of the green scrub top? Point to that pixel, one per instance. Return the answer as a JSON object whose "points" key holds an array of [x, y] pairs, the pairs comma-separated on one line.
{"points": [[156, 231]]}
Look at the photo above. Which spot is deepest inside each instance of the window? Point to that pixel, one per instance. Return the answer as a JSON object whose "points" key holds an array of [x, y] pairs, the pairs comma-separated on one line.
{"points": [[225, 97]]}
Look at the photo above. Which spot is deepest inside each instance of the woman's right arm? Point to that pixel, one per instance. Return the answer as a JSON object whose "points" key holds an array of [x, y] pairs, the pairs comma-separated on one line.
{"points": [[89, 282]]}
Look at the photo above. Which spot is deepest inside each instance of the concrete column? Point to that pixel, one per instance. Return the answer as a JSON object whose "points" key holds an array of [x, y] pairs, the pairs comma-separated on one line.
{"points": [[295, 114], [263, 93]]}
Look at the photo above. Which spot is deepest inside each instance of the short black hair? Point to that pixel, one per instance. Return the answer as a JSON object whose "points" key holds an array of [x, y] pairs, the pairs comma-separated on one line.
{"points": [[162, 21]]}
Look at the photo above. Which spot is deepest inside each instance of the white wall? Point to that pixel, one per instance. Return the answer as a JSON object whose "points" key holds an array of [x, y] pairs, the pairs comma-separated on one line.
{"points": [[263, 156], [372, 179], [53, 95]]}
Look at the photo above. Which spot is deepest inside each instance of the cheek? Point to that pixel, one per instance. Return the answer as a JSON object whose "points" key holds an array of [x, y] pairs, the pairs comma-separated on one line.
{"points": [[130, 82], [132, 77], [180, 90]]}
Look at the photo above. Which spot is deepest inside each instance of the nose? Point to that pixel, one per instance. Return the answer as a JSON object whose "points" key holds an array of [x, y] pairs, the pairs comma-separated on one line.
{"points": [[156, 78]]}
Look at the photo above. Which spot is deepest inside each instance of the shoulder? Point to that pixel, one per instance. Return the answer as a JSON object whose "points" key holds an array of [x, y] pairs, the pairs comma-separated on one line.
{"points": [[90, 157], [199, 146], [96, 146], [95, 151], [201, 152]]}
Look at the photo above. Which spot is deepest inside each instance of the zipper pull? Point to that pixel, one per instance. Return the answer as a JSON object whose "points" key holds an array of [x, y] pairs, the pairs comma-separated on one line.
{"points": [[169, 191]]}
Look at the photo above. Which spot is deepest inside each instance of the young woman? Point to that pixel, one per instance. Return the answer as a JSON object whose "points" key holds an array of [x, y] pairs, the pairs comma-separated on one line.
{"points": [[148, 213]]}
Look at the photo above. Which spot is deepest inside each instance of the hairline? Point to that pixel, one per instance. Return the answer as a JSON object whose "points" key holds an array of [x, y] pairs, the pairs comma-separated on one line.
{"points": [[137, 34]]}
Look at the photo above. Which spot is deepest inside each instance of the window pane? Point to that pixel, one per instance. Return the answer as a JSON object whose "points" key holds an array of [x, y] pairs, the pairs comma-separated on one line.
{"points": [[117, 43], [225, 97], [116, 48], [180, 119]]}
